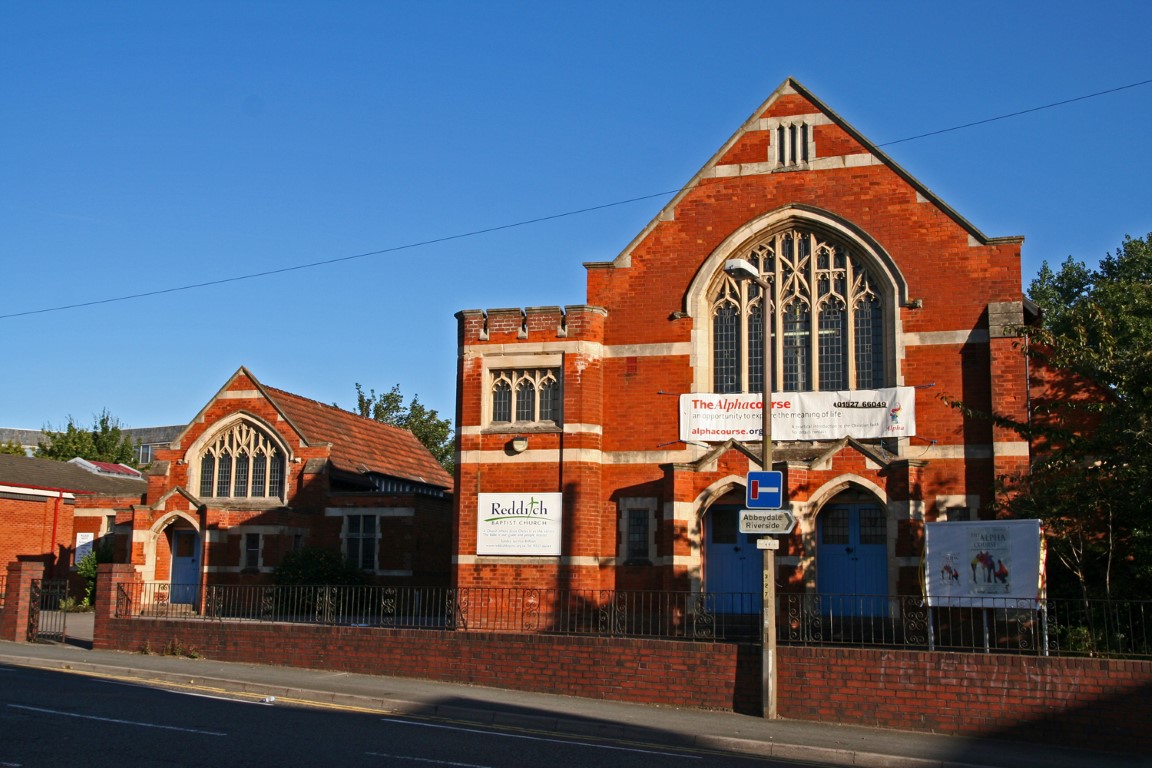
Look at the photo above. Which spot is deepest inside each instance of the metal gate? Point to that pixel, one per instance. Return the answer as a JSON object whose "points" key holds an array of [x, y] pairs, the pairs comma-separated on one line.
{"points": [[47, 622]]}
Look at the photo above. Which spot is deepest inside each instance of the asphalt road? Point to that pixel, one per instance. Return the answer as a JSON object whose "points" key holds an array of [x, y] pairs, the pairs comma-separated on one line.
{"points": [[56, 719]]}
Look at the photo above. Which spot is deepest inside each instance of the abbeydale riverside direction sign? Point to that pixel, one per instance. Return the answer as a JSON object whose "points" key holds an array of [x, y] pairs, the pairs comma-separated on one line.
{"points": [[858, 413], [519, 524], [766, 522]]}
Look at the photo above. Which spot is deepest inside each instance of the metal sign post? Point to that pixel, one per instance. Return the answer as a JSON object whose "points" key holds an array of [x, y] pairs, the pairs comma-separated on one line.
{"points": [[769, 650], [741, 269]]}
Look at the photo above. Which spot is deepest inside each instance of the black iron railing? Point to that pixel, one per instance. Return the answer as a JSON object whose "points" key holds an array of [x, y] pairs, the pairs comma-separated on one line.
{"points": [[675, 615], [1116, 628]]}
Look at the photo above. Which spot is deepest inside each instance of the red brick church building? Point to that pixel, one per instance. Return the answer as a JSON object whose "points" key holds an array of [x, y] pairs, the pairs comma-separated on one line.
{"points": [[260, 472], [588, 452]]}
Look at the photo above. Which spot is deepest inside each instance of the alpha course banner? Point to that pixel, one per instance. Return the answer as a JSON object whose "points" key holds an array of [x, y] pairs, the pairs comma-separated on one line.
{"points": [[858, 413]]}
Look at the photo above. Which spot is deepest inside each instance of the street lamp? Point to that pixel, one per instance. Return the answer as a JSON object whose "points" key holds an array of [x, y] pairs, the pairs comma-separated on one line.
{"points": [[739, 270]]}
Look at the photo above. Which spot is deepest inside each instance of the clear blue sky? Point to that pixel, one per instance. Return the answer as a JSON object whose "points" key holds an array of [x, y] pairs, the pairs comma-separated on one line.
{"points": [[147, 146]]}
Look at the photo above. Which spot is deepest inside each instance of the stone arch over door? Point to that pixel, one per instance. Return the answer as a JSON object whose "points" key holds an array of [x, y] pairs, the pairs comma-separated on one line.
{"points": [[172, 551]]}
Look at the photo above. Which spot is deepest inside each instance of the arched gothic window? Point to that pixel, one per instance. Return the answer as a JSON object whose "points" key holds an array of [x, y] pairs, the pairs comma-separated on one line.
{"points": [[823, 299], [242, 462], [525, 395]]}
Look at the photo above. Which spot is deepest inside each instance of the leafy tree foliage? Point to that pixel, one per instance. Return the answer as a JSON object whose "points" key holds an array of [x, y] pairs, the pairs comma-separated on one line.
{"points": [[1092, 479], [12, 448], [101, 552], [425, 423], [105, 441]]}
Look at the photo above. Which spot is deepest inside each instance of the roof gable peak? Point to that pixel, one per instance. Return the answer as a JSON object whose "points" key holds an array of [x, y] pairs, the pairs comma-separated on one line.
{"points": [[791, 106]]}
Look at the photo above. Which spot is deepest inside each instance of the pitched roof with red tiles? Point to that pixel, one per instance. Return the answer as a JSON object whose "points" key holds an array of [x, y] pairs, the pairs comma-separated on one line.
{"points": [[360, 444]]}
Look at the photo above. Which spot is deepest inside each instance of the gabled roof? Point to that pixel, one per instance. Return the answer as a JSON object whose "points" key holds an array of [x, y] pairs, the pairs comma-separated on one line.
{"points": [[788, 87], [358, 445], [62, 476], [361, 445]]}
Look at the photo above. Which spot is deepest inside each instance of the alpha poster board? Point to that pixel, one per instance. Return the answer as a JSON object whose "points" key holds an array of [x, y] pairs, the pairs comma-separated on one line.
{"points": [[983, 563]]}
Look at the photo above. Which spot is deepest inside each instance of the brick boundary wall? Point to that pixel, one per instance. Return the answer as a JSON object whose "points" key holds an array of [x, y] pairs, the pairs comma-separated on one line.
{"points": [[662, 672], [1090, 703], [1103, 704]]}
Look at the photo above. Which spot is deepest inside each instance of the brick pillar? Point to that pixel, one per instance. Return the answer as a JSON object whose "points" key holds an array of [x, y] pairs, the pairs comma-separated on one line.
{"points": [[109, 577], [1009, 386], [18, 600]]}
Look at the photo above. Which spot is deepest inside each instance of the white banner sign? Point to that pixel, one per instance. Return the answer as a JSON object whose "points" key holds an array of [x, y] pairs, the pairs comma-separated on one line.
{"points": [[519, 524], [84, 542], [982, 564], [858, 413]]}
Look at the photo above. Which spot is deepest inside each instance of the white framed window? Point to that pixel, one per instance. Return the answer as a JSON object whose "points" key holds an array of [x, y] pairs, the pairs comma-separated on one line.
{"points": [[637, 529], [525, 396], [242, 462], [826, 318], [251, 551], [361, 541]]}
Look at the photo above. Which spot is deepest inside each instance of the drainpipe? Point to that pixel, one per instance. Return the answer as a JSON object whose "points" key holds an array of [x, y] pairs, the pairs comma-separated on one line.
{"points": [[55, 527]]}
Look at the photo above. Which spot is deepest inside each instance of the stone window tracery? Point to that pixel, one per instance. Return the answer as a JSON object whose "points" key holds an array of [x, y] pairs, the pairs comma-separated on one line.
{"points": [[523, 395], [824, 300], [242, 462]]}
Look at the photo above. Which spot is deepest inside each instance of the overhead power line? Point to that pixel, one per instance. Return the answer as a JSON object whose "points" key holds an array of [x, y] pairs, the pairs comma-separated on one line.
{"points": [[1015, 114], [526, 222], [337, 260]]}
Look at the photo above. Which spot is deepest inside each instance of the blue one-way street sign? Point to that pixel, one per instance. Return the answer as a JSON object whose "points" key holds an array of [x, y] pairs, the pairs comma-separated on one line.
{"points": [[765, 490]]}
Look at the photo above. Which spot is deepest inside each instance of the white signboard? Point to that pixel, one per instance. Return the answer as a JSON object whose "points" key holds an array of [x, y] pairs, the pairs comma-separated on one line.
{"points": [[982, 564], [767, 521], [519, 524], [83, 546], [858, 413]]}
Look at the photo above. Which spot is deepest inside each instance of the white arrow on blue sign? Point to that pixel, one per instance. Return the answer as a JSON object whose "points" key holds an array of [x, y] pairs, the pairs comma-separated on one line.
{"points": [[765, 490]]}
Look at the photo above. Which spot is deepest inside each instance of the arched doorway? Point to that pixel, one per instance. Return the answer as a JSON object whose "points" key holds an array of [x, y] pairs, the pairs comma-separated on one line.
{"points": [[733, 566], [852, 555], [185, 573]]}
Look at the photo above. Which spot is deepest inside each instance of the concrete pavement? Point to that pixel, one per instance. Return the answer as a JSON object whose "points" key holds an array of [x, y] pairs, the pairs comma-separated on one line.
{"points": [[785, 739]]}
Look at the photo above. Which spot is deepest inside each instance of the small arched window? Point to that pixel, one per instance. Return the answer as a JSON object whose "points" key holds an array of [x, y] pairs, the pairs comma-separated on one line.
{"points": [[826, 318], [526, 395], [242, 462]]}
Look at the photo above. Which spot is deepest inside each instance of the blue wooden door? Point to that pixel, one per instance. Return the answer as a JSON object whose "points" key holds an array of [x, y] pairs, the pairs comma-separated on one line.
{"points": [[852, 559], [733, 565], [185, 566]]}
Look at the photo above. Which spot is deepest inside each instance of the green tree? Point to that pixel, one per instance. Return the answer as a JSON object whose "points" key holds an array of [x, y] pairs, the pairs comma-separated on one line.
{"points": [[1092, 476], [12, 448], [425, 423], [100, 553], [105, 441]]}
